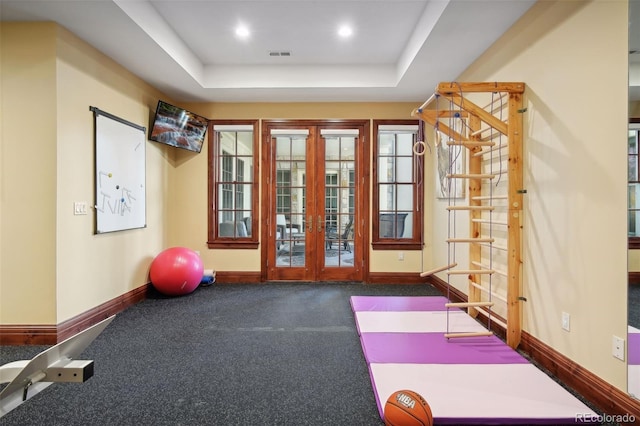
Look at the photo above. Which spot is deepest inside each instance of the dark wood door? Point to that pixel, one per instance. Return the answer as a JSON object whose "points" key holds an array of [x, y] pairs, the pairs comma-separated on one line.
{"points": [[313, 193]]}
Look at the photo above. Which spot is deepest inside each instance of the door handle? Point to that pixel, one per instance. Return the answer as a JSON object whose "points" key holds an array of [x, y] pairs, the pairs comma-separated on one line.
{"points": [[319, 224], [310, 223]]}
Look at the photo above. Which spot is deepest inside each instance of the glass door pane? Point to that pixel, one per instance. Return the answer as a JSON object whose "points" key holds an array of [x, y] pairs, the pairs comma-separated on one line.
{"points": [[290, 190], [339, 202]]}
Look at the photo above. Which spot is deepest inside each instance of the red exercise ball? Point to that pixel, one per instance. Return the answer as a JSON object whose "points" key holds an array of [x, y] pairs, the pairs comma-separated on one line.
{"points": [[176, 271]]}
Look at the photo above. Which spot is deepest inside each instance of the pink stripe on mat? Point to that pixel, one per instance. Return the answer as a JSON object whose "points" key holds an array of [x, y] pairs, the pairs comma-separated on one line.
{"points": [[634, 348], [434, 348], [398, 303]]}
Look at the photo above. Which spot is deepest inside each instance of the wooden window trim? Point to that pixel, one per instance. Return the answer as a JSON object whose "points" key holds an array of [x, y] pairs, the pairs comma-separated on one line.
{"points": [[213, 241], [414, 243]]}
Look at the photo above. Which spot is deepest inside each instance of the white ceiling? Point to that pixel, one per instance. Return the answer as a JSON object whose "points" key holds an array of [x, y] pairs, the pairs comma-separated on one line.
{"points": [[400, 49]]}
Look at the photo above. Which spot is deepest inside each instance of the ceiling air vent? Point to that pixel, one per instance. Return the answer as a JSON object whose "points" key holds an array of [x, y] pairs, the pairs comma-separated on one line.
{"points": [[279, 53]]}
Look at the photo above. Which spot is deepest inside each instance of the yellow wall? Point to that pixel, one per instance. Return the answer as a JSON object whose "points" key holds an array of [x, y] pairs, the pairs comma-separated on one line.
{"points": [[28, 173], [634, 261], [573, 57], [189, 183], [53, 265], [93, 269]]}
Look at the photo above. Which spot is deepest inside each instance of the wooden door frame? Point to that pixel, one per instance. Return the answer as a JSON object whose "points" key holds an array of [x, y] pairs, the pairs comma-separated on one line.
{"points": [[363, 165]]}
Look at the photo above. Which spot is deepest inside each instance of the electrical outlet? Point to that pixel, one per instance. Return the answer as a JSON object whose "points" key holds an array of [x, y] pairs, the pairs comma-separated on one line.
{"points": [[400, 255], [618, 347], [566, 321]]}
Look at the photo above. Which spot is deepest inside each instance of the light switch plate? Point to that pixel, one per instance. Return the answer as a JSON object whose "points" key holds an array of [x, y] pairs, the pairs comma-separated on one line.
{"points": [[79, 208]]}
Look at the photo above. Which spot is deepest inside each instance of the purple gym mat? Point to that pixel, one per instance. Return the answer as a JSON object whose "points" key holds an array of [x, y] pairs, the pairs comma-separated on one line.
{"points": [[398, 303], [437, 367], [634, 348], [434, 348]]}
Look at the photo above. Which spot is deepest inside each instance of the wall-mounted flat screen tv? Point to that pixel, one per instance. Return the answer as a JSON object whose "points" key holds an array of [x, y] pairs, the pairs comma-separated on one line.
{"points": [[178, 127]]}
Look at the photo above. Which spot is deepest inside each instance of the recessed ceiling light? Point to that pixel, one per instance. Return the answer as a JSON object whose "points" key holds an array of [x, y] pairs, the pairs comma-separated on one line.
{"points": [[242, 31], [345, 31]]}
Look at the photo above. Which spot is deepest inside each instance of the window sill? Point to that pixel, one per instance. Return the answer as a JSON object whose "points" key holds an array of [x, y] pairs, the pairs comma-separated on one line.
{"points": [[247, 245], [396, 245]]}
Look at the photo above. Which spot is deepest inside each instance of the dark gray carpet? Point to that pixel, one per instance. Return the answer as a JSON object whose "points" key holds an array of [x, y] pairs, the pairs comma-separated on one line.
{"points": [[634, 305], [269, 354]]}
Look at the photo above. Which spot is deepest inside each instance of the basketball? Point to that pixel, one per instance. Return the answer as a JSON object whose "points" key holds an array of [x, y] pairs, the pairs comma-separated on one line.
{"points": [[407, 408]]}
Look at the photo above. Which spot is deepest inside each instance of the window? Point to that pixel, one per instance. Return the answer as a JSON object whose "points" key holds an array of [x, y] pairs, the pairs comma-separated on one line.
{"points": [[398, 189], [233, 184], [634, 187]]}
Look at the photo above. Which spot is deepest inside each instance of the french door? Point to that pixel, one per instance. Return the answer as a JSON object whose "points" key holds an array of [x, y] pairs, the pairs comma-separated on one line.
{"points": [[314, 198]]}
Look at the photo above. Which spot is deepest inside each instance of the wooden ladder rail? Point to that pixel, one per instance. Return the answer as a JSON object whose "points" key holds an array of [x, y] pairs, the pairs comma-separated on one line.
{"points": [[512, 129], [514, 219]]}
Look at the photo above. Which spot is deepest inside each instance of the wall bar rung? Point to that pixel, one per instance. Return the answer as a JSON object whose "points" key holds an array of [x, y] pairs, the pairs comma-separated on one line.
{"points": [[427, 102], [440, 269], [483, 266], [471, 143], [489, 150], [492, 222], [470, 208], [475, 334], [493, 294], [477, 132], [489, 197], [468, 304], [471, 176], [471, 272], [470, 240]]}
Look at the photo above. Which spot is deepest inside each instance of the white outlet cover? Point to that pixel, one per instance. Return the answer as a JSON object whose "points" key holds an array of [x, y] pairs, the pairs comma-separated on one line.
{"points": [[566, 321], [618, 347]]}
